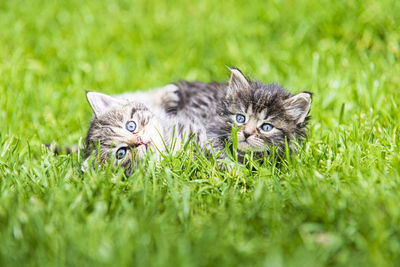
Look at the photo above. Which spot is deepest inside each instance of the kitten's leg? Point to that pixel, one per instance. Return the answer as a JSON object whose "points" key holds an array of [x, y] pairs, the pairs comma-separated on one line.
{"points": [[168, 97]]}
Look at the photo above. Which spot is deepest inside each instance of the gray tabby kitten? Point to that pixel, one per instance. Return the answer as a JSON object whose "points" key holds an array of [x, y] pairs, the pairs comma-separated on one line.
{"points": [[267, 114], [123, 130]]}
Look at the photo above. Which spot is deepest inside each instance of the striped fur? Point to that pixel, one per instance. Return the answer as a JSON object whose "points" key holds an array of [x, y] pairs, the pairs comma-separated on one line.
{"points": [[215, 105], [155, 131]]}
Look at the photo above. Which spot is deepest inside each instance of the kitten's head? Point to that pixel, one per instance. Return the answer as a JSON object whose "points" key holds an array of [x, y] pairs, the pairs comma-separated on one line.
{"points": [[120, 131], [266, 113]]}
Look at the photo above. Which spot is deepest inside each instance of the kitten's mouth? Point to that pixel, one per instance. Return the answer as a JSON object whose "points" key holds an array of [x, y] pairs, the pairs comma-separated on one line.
{"points": [[244, 145], [143, 145], [140, 149]]}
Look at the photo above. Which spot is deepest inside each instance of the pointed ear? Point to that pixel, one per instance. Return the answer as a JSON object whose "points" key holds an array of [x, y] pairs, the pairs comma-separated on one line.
{"points": [[101, 102], [237, 81], [298, 106]]}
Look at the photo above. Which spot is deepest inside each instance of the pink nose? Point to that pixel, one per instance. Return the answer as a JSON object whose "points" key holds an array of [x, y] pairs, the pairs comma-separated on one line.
{"points": [[139, 140]]}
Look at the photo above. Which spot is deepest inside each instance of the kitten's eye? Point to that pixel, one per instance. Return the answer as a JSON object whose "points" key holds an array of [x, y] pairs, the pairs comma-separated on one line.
{"points": [[121, 153], [266, 127], [131, 126], [240, 118]]}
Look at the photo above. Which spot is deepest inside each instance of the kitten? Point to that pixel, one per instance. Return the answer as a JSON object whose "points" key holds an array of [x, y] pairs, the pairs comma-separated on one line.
{"points": [[123, 131], [267, 115]]}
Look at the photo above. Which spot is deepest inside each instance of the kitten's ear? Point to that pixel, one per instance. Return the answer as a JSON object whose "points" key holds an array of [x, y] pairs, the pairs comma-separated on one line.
{"points": [[298, 106], [237, 81], [101, 102]]}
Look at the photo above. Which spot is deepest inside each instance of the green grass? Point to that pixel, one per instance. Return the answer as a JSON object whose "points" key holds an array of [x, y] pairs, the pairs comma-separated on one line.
{"points": [[335, 203]]}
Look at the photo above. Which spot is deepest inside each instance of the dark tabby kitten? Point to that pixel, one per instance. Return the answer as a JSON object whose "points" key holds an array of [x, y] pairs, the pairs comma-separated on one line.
{"points": [[267, 114]]}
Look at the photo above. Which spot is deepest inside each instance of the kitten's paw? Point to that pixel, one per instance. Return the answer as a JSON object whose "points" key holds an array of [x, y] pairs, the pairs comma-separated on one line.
{"points": [[225, 165], [170, 98]]}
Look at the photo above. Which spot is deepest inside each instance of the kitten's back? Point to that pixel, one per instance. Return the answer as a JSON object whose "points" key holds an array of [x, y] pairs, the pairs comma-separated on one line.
{"points": [[199, 101]]}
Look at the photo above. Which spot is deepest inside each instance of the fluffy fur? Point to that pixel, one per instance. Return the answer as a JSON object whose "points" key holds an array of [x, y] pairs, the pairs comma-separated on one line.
{"points": [[217, 105], [266, 116], [109, 136]]}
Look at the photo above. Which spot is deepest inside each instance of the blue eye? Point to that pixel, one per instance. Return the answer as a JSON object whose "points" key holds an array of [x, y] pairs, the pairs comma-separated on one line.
{"points": [[266, 127], [131, 126], [121, 153], [240, 118]]}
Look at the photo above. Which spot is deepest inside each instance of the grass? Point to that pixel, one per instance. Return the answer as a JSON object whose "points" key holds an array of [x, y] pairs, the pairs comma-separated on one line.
{"points": [[335, 203]]}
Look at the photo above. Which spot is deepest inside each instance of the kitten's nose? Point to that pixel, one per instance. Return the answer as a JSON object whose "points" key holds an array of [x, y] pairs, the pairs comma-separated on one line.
{"points": [[139, 140], [246, 134]]}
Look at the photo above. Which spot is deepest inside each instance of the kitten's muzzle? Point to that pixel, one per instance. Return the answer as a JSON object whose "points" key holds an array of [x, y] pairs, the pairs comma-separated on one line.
{"points": [[140, 142]]}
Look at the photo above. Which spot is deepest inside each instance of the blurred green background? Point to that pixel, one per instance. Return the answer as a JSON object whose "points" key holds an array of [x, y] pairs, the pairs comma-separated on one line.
{"points": [[52, 51], [338, 205]]}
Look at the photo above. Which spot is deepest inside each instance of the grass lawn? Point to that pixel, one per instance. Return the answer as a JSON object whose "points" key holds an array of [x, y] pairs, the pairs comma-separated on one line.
{"points": [[335, 203]]}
